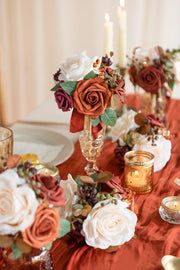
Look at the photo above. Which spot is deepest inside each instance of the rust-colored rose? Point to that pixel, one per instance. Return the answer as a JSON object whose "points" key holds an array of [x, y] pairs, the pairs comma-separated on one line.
{"points": [[151, 79], [45, 228], [50, 189], [91, 97]]}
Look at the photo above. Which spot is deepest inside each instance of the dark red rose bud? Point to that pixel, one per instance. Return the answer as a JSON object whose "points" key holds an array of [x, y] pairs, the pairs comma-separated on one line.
{"points": [[56, 75]]}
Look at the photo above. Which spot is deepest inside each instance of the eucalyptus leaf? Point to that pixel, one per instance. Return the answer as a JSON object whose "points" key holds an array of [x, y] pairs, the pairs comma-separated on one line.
{"points": [[65, 227], [69, 87], [109, 117], [78, 179], [16, 252], [94, 176], [90, 75], [95, 122], [48, 247], [55, 87]]}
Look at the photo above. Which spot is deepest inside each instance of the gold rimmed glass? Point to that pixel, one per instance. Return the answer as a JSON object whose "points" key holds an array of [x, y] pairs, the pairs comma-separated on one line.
{"points": [[91, 146], [6, 145]]}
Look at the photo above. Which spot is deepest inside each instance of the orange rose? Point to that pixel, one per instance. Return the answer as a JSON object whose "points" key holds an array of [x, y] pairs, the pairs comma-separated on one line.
{"points": [[45, 228], [91, 97]]}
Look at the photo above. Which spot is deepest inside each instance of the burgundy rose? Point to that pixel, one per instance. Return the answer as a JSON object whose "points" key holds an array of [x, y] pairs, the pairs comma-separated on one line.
{"points": [[151, 79], [133, 75], [49, 189], [63, 100]]}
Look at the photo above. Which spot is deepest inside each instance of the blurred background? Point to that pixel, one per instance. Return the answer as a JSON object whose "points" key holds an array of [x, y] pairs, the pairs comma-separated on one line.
{"points": [[37, 35]]}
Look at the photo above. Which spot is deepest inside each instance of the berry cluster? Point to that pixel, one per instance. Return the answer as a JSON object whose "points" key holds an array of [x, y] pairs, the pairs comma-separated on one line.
{"points": [[26, 169]]}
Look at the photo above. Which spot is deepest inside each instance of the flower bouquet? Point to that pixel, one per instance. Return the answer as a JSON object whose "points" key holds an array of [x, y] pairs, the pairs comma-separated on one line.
{"points": [[99, 211], [87, 86], [155, 72], [137, 131], [29, 215]]}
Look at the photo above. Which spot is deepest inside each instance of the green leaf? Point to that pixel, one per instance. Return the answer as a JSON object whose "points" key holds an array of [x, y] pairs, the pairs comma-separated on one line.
{"points": [[171, 84], [94, 176], [69, 87], [48, 247], [16, 252], [90, 75], [78, 179], [55, 87], [65, 227], [109, 117], [95, 121]]}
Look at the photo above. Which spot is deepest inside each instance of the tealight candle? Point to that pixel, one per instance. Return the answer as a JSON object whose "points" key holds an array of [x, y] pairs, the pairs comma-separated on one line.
{"points": [[170, 209], [139, 171]]}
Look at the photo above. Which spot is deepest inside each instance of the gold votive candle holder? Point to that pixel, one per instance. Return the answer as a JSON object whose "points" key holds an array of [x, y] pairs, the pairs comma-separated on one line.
{"points": [[139, 171], [6, 145], [170, 209]]}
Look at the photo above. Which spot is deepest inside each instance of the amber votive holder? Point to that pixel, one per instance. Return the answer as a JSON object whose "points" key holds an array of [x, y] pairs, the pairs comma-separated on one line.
{"points": [[170, 209], [139, 171], [6, 145]]}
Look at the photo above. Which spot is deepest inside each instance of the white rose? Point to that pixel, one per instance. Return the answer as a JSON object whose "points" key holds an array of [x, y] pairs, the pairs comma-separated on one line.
{"points": [[18, 203], [110, 225], [123, 125], [161, 152], [70, 187], [77, 66]]}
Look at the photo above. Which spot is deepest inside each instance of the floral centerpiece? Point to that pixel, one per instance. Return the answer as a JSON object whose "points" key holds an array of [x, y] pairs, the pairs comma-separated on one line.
{"points": [[29, 214], [87, 85], [137, 131], [99, 211], [155, 72]]}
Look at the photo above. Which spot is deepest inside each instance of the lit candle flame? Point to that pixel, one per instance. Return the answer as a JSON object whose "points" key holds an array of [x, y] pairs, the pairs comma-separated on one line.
{"points": [[107, 18], [122, 3]]}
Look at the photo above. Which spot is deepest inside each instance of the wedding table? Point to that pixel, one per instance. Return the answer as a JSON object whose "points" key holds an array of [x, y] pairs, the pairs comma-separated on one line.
{"points": [[154, 237]]}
